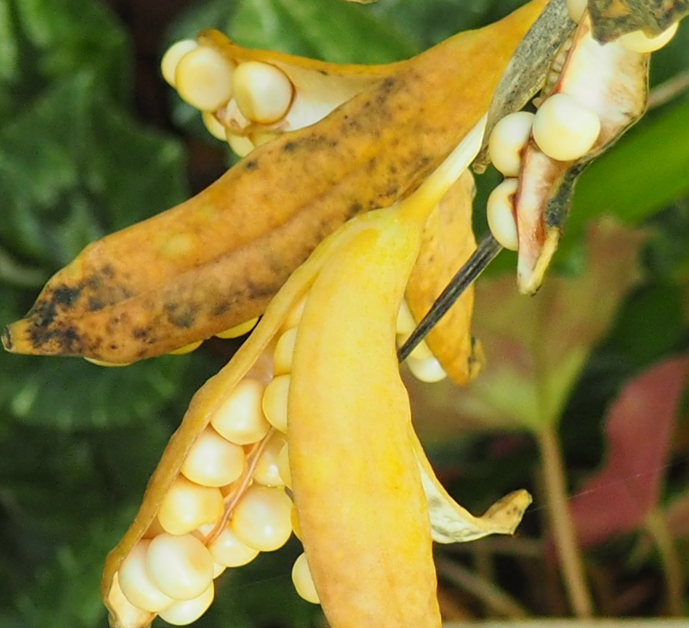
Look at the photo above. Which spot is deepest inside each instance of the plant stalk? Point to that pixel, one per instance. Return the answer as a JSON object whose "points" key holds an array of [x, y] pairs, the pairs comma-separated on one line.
{"points": [[656, 526]]}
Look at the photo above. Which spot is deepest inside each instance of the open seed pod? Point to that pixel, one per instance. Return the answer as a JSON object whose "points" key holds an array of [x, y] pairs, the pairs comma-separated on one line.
{"points": [[592, 95], [367, 526], [216, 261]]}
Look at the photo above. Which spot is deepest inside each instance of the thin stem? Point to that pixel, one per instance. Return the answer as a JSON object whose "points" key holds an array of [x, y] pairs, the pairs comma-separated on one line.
{"points": [[669, 90], [561, 524], [484, 254], [656, 525], [499, 601]]}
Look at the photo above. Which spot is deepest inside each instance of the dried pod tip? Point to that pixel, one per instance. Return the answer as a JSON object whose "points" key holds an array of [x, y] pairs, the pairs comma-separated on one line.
{"points": [[500, 214], [507, 141], [564, 129]]}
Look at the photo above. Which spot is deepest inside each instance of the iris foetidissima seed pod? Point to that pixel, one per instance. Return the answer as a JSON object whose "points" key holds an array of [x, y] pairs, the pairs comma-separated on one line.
{"points": [[216, 261], [367, 529]]}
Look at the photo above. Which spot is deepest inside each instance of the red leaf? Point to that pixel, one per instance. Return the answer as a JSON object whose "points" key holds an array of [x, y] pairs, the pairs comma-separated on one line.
{"points": [[638, 429]]}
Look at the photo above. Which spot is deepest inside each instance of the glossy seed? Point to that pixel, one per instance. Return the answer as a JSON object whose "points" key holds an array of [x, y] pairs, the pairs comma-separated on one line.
{"points": [[428, 370], [173, 56], [214, 126], [187, 348], [136, 583], [283, 466], [295, 314], [227, 550], [500, 214], [242, 328], [204, 79], [564, 129], [240, 419], [576, 9], [263, 92], [275, 402], [262, 518], [508, 139], [188, 505], [181, 566], [187, 612], [242, 146], [267, 471], [218, 570], [284, 352], [213, 460], [405, 320], [638, 41], [106, 364], [303, 581]]}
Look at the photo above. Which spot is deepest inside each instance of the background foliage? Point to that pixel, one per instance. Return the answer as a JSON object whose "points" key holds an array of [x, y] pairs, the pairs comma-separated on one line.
{"points": [[91, 141]]}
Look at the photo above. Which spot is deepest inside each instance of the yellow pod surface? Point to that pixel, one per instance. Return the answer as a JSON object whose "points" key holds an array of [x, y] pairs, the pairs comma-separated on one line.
{"points": [[357, 488]]}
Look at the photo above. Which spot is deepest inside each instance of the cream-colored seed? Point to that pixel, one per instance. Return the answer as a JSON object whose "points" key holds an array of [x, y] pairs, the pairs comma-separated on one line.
{"points": [[295, 315], [429, 370], [263, 92], [283, 466], [405, 320], [284, 352], [204, 78], [214, 126], [508, 139], [242, 328], [106, 364], [303, 582], [262, 518], [240, 418], [267, 470], [218, 569], [173, 56], [187, 348], [136, 583], [227, 550], [638, 41], [242, 146], [500, 214], [576, 9], [213, 460], [188, 611], [275, 402], [181, 566], [564, 129], [188, 505]]}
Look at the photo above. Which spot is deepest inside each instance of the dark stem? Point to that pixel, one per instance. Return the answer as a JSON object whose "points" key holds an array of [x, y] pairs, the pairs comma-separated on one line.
{"points": [[466, 275]]}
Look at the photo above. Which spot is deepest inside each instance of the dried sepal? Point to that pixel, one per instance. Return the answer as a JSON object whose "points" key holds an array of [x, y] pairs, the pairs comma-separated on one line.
{"points": [[448, 241], [217, 260]]}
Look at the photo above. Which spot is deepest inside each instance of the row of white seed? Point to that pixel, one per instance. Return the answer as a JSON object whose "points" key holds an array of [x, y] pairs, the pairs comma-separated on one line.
{"points": [[231, 96]]}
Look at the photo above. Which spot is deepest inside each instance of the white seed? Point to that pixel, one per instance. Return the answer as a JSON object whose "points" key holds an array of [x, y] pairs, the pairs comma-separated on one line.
{"points": [[303, 582], [242, 328], [188, 505], [508, 139], [275, 402], [262, 518], [428, 370], [242, 146], [263, 92], [214, 126], [405, 320], [638, 41], [204, 78], [136, 583], [181, 566], [576, 9], [284, 352], [240, 419], [213, 460], [283, 466], [227, 550], [564, 129], [218, 569], [500, 214], [267, 470], [295, 314], [187, 348], [188, 611], [172, 58]]}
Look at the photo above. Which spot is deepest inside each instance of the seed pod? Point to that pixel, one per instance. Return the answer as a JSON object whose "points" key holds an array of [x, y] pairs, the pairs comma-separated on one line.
{"points": [[214, 261]]}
